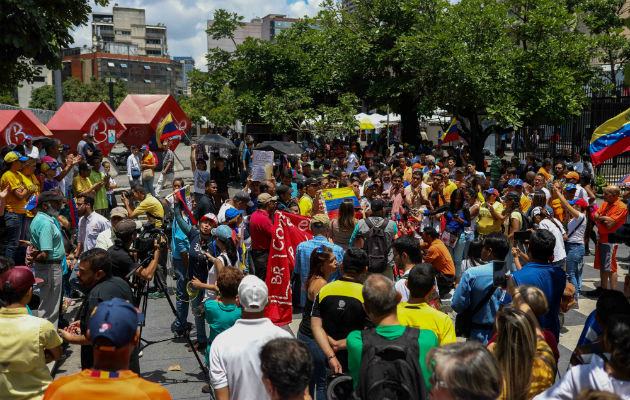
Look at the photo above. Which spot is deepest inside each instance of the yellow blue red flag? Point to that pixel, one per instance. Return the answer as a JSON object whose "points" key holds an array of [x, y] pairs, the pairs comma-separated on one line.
{"points": [[166, 129], [451, 134], [334, 197], [611, 138]]}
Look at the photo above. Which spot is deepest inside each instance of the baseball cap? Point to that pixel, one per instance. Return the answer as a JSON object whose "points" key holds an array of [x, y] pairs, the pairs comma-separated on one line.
{"points": [[370, 184], [493, 191], [144, 147], [377, 205], [515, 182], [252, 294], [116, 320], [232, 213], [119, 212], [32, 202], [210, 217], [14, 156], [49, 165], [435, 171], [536, 211], [362, 168], [416, 166], [65, 147], [459, 170], [311, 181], [579, 202], [265, 198], [28, 137], [18, 279], [222, 232], [125, 227], [49, 195], [570, 186], [572, 175], [320, 220], [241, 195]]}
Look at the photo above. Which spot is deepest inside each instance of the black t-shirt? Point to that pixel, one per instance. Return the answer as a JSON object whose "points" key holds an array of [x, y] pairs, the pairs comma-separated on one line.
{"points": [[122, 262], [222, 178], [106, 289]]}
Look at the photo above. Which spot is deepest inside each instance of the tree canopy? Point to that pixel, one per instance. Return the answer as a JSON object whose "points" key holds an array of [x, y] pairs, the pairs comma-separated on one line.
{"points": [[73, 90], [33, 32]]}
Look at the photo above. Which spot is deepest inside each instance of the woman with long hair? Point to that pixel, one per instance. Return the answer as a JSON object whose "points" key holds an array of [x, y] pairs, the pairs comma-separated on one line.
{"points": [[526, 361], [539, 199], [322, 264], [457, 217], [341, 228], [472, 203]]}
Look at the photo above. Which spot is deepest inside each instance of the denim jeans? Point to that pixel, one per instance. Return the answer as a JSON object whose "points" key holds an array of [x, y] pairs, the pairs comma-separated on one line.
{"points": [[181, 299], [457, 253], [575, 263], [200, 322], [148, 186], [14, 225], [319, 368]]}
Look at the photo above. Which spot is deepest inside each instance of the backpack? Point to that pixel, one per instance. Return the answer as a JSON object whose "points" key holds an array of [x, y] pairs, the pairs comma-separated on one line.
{"points": [[376, 246], [390, 368], [527, 223]]}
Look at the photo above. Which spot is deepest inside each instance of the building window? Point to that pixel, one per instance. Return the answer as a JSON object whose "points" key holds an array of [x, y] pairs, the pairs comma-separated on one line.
{"points": [[123, 65], [111, 64], [147, 67], [154, 52], [39, 79], [125, 33], [154, 41], [147, 81]]}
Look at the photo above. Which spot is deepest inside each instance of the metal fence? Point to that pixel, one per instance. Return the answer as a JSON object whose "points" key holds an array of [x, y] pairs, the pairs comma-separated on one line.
{"points": [[42, 115], [574, 136]]}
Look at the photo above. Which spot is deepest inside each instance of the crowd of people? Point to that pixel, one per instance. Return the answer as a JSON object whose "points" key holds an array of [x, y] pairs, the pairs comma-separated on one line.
{"points": [[448, 281]]}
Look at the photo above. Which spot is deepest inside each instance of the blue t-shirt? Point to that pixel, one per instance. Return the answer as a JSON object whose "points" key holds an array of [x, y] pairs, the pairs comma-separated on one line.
{"points": [[247, 155], [551, 280], [179, 240]]}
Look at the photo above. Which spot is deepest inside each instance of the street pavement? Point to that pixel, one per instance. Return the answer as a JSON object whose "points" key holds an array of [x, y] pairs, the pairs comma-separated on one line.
{"points": [[186, 379]]}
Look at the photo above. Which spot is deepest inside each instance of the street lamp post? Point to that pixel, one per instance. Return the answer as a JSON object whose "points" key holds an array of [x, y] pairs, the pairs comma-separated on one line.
{"points": [[110, 82]]}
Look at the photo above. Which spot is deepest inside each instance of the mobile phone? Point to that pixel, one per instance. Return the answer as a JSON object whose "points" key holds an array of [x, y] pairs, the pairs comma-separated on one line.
{"points": [[498, 274], [522, 236]]}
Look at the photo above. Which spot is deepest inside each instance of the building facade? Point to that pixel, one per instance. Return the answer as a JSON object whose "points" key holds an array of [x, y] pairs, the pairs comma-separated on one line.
{"points": [[142, 74], [125, 31], [25, 89], [266, 28], [188, 64]]}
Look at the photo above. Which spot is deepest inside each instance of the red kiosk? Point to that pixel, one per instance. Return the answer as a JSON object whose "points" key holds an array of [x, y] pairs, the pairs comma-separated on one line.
{"points": [[16, 125], [146, 114], [74, 119]]}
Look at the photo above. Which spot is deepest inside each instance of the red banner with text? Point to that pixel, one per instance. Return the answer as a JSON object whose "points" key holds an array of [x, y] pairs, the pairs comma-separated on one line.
{"points": [[289, 230]]}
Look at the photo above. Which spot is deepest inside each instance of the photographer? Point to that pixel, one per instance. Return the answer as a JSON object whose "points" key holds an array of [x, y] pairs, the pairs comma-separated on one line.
{"points": [[200, 252], [149, 205], [120, 253]]}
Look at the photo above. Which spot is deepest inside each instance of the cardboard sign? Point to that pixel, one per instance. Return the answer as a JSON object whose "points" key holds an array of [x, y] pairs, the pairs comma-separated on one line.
{"points": [[262, 165]]}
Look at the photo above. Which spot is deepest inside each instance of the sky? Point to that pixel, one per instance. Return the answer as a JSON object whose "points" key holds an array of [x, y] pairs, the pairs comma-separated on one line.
{"points": [[186, 19]]}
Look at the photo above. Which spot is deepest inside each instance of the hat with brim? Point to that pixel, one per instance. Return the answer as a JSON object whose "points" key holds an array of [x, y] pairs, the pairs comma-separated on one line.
{"points": [[115, 320], [232, 213], [18, 279], [13, 156], [49, 195]]}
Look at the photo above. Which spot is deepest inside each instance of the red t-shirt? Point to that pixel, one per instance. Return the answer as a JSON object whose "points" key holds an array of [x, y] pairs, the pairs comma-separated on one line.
{"points": [[261, 230]]}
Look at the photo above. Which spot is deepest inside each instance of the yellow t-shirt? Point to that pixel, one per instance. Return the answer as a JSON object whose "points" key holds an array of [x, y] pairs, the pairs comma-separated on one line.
{"points": [[34, 186], [80, 184], [306, 205], [525, 204], [152, 208], [543, 371], [450, 188], [487, 224], [14, 180], [423, 316], [508, 221]]}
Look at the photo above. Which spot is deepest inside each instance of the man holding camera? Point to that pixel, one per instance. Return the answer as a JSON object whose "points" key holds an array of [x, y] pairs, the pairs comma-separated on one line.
{"points": [[120, 254]]}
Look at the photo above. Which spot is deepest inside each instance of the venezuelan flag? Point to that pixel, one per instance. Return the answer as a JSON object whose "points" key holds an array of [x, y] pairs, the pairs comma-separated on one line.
{"points": [[74, 215], [165, 130], [451, 134], [611, 138], [183, 195], [334, 197]]}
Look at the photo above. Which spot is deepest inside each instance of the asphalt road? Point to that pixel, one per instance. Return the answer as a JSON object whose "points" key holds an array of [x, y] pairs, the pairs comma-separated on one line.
{"points": [[186, 383]]}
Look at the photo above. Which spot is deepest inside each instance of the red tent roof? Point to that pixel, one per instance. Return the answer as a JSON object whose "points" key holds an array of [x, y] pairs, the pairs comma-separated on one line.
{"points": [[141, 109], [73, 116], [16, 124]]}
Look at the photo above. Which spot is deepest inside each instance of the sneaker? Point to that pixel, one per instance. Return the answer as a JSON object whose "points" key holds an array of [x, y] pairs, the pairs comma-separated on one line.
{"points": [[156, 295]]}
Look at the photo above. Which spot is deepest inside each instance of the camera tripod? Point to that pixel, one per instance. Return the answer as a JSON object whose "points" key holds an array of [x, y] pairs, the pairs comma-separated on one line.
{"points": [[141, 297]]}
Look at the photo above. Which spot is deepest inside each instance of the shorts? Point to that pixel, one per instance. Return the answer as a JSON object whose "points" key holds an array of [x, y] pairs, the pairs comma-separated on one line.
{"points": [[606, 257]]}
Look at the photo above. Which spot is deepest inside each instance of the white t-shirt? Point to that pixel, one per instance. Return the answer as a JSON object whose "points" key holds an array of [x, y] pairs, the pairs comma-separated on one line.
{"points": [[200, 181], [352, 161], [401, 286], [213, 275], [576, 229], [580, 193], [586, 376], [235, 360], [558, 251], [221, 215]]}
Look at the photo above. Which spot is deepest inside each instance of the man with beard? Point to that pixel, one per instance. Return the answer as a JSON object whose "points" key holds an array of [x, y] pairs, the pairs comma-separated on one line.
{"points": [[48, 254]]}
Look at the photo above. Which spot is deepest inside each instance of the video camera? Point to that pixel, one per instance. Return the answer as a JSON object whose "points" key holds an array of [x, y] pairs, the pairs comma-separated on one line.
{"points": [[145, 241]]}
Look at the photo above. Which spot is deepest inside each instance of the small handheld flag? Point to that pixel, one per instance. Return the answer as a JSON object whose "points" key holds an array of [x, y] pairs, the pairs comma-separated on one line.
{"points": [[183, 195], [610, 138], [451, 134], [334, 197]]}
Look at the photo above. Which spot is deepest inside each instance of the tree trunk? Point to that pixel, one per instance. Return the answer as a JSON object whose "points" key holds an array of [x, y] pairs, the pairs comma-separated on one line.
{"points": [[409, 119], [476, 138]]}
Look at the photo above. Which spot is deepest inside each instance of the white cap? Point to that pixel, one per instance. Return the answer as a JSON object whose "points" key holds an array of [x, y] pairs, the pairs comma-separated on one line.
{"points": [[536, 211], [252, 294]]}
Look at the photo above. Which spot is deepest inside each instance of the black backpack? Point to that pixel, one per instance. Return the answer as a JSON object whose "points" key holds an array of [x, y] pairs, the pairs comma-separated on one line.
{"points": [[376, 246], [390, 369]]}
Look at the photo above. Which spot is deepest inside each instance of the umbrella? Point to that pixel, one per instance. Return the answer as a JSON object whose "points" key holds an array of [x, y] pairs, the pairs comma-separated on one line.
{"points": [[366, 124], [215, 140], [280, 147], [624, 181]]}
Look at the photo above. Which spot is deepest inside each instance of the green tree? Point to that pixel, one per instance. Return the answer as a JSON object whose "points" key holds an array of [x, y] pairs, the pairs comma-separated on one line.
{"points": [[7, 98], [33, 32], [73, 90]]}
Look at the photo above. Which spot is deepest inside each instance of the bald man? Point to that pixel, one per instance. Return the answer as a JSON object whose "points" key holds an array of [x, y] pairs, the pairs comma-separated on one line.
{"points": [[610, 216]]}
